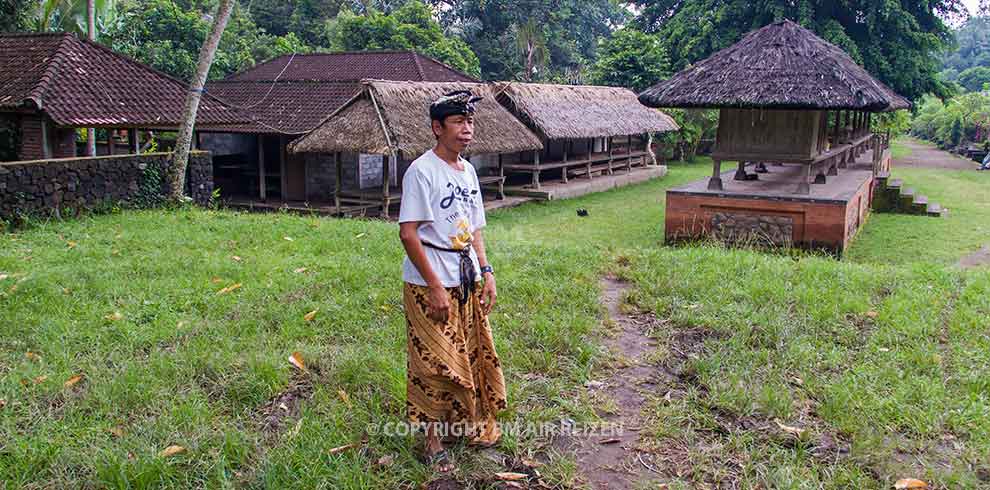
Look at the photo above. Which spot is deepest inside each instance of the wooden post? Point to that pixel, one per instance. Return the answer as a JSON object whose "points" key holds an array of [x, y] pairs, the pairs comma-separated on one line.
{"points": [[536, 172], [386, 168], [501, 178], [715, 182], [111, 144], [835, 130], [803, 186], [563, 170], [741, 171], [134, 144], [610, 156], [591, 149], [262, 191], [339, 181], [629, 153], [284, 189]]}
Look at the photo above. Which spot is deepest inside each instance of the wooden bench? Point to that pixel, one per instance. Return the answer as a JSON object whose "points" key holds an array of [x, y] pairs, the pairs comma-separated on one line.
{"points": [[494, 183]]}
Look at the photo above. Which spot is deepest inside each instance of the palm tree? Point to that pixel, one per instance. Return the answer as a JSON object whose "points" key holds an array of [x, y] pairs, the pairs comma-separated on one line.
{"points": [[532, 47], [180, 156]]}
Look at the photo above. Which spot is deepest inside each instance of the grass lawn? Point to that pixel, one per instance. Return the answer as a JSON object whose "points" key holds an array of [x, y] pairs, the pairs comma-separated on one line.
{"points": [[898, 149], [887, 361]]}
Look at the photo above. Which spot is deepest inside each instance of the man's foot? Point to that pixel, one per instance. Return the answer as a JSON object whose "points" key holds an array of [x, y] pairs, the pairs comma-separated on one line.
{"points": [[439, 461]]}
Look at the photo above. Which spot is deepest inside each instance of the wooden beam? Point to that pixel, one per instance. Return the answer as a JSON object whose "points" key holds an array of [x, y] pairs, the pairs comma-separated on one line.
{"points": [[281, 167], [339, 181], [261, 168], [386, 167], [133, 143]]}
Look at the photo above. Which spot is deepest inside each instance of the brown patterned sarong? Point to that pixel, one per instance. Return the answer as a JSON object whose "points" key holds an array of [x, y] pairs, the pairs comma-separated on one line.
{"points": [[454, 375]]}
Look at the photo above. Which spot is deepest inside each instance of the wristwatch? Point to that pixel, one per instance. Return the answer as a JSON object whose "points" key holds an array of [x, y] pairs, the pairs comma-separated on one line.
{"points": [[487, 268]]}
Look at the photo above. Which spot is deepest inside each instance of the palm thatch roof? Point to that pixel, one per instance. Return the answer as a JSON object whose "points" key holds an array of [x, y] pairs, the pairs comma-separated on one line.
{"points": [[387, 116], [581, 111], [780, 66]]}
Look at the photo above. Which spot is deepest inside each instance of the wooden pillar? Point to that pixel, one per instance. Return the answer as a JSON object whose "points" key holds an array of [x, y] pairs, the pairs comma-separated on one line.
{"points": [[835, 129], [820, 176], [563, 170], [629, 153], [803, 186], [339, 181], [133, 143], [111, 142], [715, 182], [501, 178], [610, 155], [284, 184], [536, 171], [262, 191], [386, 168], [741, 171], [833, 166], [591, 149]]}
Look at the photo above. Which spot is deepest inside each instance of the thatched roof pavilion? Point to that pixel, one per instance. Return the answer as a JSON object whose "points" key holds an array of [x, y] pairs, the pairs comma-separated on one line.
{"points": [[581, 126], [580, 111], [780, 66], [390, 118], [785, 95]]}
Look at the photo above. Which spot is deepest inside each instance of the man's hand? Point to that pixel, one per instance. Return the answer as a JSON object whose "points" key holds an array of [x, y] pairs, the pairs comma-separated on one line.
{"points": [[439, 304], [488, 293]]}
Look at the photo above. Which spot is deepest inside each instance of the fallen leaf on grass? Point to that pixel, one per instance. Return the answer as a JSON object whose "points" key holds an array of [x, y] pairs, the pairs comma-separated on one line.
{"points": [[359, 235], [113, 317], [216, 280], [236, 258], [344, 397], [31, 356], [71, 244], [300, 270], [40, 379], [910, 484], [794, 431], [386, 460], [296, 359], [117, 431], [69, 383], [172, 451], [872, 314], [287, 238], [229, 288], [310, 316], [340, 449], [509, 476]]}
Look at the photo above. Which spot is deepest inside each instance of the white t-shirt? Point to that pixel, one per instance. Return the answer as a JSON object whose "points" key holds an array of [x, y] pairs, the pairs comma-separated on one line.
{"points": [[449, 203]]}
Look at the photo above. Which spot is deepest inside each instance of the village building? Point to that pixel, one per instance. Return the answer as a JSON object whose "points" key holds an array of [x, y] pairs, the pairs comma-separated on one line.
{"points": [[288, 97], [586, 130], [795, 115], [390, 120], [52, 84]]}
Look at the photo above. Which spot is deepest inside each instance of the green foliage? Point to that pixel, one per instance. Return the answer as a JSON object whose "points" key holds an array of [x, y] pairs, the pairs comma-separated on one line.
{"points": [[570, 30], [972, 46], [151, 188], [632, 59], [973, 79], [696, 125], [897, 122], [410, 27], [955, 122], [168, 36], [898, 42]]}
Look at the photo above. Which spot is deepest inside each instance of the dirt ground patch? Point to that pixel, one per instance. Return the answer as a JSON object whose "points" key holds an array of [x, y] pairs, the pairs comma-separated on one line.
{"points": [[924, 156], [978, 258]]}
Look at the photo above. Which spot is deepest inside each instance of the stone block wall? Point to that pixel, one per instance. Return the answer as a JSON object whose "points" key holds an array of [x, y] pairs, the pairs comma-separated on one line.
{"points": [[37, 187]]}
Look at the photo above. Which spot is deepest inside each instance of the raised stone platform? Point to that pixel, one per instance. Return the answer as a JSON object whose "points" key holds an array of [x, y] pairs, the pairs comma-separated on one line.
{"points": [[768, 211], [579, 186]]}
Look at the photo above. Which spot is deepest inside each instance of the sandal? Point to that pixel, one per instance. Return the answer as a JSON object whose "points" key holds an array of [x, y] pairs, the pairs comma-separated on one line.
{"points": [[440, 461]]}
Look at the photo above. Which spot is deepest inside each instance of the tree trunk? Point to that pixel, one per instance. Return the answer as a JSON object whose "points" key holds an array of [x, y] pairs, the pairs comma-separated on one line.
{"points": [[180, 156], [91, 34]]}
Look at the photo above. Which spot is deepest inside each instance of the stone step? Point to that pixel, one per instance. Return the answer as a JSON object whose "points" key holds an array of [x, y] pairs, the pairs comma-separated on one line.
{"points": [[921, 201], [883, 176], [936, 210], [895, 184], [909, 192]]}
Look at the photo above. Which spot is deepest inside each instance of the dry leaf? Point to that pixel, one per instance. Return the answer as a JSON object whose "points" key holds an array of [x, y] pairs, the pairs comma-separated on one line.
{"points": [[296, 359], [872, 314], [40, 379], [794, 431], [113, 317], [236, 258], [216, 280], [229, 288], [883, 349], [300, 270], [910, 484], [31, 356], [344, 397], [509, 476], [287, 238], [340, 449], [69, 383], [117, 431], [529, 463], [386, 460], [71, 244], [512, 484], [310, 316], [172, 451], [359, 235]]}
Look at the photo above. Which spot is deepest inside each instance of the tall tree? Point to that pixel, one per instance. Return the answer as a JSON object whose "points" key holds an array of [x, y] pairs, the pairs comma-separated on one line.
{"points": [[897, 41], [631, 59], [532, 47], [180, 157]]}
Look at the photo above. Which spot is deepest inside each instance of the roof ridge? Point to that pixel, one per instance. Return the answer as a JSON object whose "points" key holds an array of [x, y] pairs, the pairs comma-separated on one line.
{"points": [[35, 34], [451, 68], [37, 94], [419, 66]]}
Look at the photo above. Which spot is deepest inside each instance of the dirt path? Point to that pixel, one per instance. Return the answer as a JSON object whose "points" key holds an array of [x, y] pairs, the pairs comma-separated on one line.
{"points": [[978, 258], [609, 459], [925, 156]]}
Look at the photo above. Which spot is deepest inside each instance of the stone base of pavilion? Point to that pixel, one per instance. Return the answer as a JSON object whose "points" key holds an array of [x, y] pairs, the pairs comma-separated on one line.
{"points": [[769, 211], [579, 186]]}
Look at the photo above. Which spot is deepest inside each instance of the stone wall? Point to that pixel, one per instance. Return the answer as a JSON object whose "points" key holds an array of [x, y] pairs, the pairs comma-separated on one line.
{"points": [[37, 187], [757, 229]]}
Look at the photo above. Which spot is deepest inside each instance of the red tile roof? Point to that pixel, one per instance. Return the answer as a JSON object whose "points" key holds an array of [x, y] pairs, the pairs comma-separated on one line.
{"points": [[79, 83], [292, 94]]}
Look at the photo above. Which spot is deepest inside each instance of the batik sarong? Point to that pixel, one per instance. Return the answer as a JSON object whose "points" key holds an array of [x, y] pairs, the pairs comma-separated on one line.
{"points": [[454, 375]]}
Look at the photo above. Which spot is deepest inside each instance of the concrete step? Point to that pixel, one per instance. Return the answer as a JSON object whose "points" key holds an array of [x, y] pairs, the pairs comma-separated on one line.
{"points": [[921, 200], [936, 210], [909, 192], [883, 176], [895, 184]]}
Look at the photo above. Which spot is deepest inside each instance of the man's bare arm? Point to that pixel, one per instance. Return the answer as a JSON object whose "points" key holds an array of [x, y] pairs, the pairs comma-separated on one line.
{"points": [[439, 302], [488, 293]]}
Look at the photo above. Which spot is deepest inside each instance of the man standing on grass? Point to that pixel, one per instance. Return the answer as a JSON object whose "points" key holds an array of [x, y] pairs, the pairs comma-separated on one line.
{"points": [[454, 383]]}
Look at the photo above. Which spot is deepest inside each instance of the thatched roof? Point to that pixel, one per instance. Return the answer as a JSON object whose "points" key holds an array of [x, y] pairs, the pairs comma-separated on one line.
{"points": [[403, 108], [580, 111], [781, 66]]}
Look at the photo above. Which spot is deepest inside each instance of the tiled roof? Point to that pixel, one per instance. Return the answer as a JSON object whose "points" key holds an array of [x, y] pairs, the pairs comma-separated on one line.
{"points": [[310, 87], [80, 83], [353, 66], [283, 106]]}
